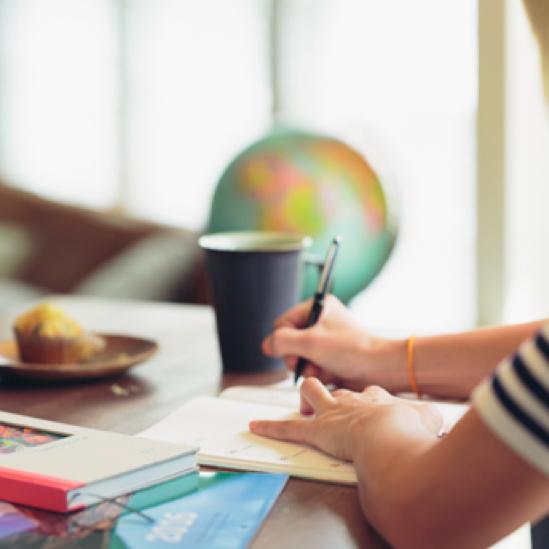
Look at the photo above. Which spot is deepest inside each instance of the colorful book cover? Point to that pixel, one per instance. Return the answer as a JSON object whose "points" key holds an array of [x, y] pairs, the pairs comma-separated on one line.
{"points": [[217, 510], [15, 438]]}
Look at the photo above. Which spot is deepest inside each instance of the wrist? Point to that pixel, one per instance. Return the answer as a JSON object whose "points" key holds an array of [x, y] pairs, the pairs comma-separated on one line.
{"points": [[387, 364], [389, 433]]}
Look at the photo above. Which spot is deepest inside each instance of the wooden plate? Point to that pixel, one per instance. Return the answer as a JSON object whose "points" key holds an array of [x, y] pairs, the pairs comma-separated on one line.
{"points": [[120, 353]]}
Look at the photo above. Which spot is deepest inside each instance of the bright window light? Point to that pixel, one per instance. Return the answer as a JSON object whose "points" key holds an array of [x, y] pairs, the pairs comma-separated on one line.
{"points": [[399, 78], [58, 98], [146, 101]]}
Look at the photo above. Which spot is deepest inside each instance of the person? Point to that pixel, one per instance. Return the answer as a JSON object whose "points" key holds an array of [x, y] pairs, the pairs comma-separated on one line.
{"points": [[487, 476]]}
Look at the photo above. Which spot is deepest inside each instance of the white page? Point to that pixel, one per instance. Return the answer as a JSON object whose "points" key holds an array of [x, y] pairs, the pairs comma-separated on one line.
{"points": [[287, 394], [280, 394], [220, 428], [451, 413]]}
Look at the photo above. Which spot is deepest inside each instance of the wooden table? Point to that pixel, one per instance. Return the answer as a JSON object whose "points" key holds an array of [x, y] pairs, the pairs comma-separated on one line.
{"points": [[307, 514]]}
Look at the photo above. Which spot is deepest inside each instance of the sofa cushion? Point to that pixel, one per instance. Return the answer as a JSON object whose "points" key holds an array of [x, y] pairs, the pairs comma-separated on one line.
{"points": [[63, 248], [68, 241], [152, 268], [16, 246]]}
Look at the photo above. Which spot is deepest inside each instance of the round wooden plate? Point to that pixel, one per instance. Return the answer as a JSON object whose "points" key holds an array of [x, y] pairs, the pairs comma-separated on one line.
{"points": [[120, 353]]}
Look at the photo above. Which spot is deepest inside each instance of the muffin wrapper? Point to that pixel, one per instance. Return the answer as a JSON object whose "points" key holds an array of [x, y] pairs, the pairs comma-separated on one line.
{"points": [[37, 349]]}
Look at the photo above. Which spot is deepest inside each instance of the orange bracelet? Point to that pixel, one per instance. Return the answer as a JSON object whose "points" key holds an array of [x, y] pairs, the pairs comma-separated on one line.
{"points": [[410, 365]]}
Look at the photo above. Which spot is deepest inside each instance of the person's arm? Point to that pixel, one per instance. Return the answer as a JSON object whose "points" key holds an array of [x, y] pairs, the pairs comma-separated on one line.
{"points": [[467, 490], [451, 365], [341, 351]]}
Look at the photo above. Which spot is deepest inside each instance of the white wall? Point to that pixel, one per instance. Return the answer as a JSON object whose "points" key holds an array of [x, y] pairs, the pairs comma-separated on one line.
{"points": [[527, 165]]}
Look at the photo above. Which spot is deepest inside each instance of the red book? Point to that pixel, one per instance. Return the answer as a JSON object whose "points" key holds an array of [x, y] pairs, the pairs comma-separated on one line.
{"points": [[62, 467]]}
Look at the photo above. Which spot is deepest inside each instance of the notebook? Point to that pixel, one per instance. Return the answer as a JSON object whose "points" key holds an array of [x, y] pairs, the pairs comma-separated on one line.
{"points": [[219, 426], [62, 467]]}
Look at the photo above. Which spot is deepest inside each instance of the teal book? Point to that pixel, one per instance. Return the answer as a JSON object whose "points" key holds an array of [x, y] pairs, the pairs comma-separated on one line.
{"points": [[224, 512], [217, 510]]}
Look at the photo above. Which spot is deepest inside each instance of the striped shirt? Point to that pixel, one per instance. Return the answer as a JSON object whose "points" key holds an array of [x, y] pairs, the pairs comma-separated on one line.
{"points": [[514, 402]]}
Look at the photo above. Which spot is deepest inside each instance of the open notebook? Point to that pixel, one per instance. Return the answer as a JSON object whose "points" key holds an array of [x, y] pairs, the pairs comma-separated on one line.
{"points": [[219, 426]]}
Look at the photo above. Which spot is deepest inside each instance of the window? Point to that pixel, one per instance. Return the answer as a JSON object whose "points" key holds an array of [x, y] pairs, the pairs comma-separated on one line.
{"points": [[527, 165], [400, 78], [143, 102], [58, 109]]}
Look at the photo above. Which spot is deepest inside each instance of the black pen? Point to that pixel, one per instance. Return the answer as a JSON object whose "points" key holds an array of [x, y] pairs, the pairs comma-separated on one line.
{"points": [[320, 294]]}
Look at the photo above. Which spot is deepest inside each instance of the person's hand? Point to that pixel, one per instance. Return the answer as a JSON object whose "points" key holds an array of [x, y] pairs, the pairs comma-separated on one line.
{"points": [[338, 349], [344, 420]]}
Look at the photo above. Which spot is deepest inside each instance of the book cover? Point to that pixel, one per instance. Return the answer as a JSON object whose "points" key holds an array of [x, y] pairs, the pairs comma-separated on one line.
{"points": [[62, 467]]}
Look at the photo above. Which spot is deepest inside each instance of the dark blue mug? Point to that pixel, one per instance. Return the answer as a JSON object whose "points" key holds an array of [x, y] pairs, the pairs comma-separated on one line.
{"points": [[254, 277]]}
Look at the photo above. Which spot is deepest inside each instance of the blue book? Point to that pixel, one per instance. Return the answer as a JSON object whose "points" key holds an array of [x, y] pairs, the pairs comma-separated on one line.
{"points": [[224, 512]]}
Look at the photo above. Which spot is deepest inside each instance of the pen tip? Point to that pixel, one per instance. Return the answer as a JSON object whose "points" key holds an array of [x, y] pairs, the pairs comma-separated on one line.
{"points": [[337, 239]]}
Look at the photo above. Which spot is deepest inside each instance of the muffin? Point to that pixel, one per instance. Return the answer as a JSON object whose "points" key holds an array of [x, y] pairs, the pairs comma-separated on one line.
{"points": [[47, 335]]}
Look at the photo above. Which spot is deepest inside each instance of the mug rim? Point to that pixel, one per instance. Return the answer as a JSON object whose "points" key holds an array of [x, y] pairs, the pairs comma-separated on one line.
{"points": [[254, 241]]}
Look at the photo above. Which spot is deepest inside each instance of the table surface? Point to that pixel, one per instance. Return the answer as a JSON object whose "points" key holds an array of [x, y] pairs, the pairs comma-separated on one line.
{"points": [[307, 514]]}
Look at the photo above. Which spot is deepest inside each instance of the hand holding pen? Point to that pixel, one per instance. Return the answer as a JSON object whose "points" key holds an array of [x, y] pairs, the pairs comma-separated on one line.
{"points": [[318, 300]]}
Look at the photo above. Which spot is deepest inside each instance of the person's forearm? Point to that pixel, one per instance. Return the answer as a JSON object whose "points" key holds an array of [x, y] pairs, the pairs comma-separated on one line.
{"points": [[379, 460], [467, 490], [450, 366]]}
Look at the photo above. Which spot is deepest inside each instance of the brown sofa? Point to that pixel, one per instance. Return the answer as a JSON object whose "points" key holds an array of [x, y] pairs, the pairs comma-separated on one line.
{"points": [[59, 248]]}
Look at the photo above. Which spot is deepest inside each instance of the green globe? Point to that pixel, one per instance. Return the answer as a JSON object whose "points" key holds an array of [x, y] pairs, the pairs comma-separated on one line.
{"points": [[299, 182]]}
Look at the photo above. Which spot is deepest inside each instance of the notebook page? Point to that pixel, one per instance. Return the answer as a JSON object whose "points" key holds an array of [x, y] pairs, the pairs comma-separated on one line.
{"points": [[220, 427], [451, 412], [287, 394], [281, 394]]}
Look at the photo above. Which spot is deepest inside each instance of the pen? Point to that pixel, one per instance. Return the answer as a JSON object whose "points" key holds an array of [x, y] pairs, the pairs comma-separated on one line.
{"points": [[320, 294]]}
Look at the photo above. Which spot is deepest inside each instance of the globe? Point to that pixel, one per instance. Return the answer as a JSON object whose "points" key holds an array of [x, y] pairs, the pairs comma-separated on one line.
{"points": [[299, 182]]}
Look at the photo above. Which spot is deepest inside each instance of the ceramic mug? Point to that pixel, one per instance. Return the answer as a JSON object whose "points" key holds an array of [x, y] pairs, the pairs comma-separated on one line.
{"points": [[254, 277]]}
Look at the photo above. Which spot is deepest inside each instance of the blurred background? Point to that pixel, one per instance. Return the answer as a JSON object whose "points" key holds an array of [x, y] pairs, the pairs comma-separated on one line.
{"points": [[133, 108]]}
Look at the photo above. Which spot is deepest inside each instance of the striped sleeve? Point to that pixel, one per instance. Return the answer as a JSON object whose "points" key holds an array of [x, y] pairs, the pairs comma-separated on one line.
{"points": [[514, 402]]}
